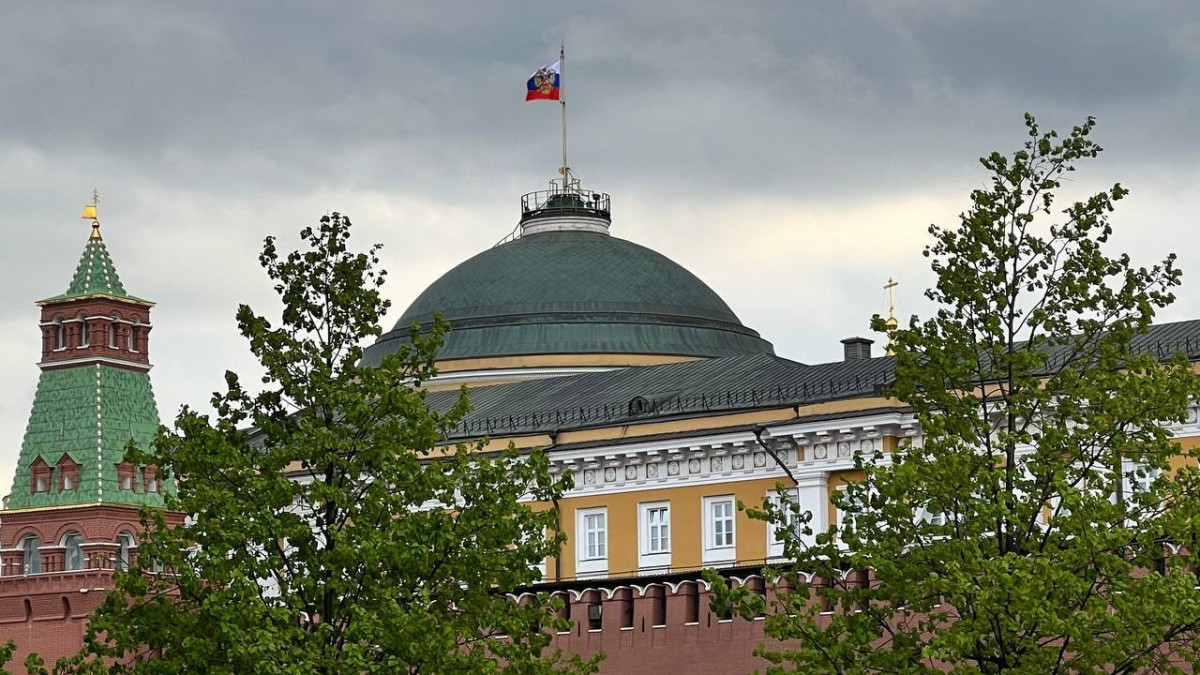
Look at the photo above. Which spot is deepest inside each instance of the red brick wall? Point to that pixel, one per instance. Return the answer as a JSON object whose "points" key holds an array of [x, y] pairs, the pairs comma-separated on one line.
{"points": [[47, 613], [633, 644], [98, 311]]}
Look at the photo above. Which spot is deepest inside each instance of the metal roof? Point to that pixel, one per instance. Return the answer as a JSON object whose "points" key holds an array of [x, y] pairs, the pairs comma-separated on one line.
{"points": [[650, 392], [574, 292], [95, 275], [709, 386]]}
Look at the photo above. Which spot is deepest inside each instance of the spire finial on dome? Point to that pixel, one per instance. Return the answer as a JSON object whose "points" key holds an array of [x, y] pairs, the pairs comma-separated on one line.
{"points": [[892, 323], [89, 213]]}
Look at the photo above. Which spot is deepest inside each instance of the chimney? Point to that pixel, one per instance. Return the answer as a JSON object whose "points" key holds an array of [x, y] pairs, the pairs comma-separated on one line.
{"points": [[856, 348]]}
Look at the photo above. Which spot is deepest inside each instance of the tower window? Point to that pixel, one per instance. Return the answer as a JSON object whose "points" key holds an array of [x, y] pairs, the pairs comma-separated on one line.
{"points": [[125, 474], [73, 554], [85, 339], [112, 332], [68, 474], [60, 334], [39, 475], [133, 336], [124, 550], [31, 555]]}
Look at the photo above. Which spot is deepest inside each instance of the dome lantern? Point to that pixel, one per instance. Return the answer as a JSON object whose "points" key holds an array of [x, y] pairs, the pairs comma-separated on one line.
{"points": [[566, 206]]}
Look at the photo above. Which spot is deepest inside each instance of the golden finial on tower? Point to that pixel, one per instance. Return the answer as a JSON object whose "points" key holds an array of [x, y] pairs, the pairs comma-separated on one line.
{"points": [[892, 323], [89, 213]]}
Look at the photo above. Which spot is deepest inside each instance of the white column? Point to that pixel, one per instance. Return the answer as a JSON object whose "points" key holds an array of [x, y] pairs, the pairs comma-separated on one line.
{"points": [[813, 496]]}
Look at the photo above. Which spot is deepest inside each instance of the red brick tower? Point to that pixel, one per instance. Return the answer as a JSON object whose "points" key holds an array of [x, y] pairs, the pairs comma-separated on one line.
{"points": [[72, 515]]}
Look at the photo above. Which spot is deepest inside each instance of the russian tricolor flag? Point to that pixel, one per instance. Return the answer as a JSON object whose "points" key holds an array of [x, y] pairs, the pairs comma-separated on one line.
{"points": [[544, 85]]}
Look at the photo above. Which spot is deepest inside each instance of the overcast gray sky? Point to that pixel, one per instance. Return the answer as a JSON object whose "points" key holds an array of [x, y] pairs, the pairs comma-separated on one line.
{"points": [[789, 153]]}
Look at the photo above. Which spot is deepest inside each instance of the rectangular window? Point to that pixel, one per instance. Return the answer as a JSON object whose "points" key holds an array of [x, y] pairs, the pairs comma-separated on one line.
{"points": [[788, 502], [719, 529], [654, 526], [591, 526], [594, 533], [658, 524], [150, 479], [845, 521]]}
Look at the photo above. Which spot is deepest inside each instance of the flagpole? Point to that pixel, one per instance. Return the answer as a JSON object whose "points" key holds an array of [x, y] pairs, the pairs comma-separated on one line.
{"points": [[562, 97]]}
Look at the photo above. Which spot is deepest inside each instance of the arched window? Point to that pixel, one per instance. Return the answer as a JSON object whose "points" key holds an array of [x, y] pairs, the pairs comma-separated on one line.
{"points": [[32, 560], [133, 335], [112, 332], [85, 338], [124, 547], [73, 543], [60, 333]]}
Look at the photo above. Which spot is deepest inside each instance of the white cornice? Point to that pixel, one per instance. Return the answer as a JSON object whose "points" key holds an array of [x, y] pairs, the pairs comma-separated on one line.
{"points": [[565, 223], [808, 450], [133, 365]]}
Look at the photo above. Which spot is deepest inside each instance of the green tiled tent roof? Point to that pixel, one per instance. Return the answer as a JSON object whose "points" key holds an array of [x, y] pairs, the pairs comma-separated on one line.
{"points": [[95, 275], [574, 292], [89, 413]]}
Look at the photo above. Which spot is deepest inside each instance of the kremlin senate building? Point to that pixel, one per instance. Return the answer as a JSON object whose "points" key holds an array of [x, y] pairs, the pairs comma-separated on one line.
{"points": [[628, 370]]}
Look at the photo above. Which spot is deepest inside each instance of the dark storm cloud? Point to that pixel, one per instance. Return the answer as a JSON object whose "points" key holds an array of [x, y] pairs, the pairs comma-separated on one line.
{"points": [[801, 96]]}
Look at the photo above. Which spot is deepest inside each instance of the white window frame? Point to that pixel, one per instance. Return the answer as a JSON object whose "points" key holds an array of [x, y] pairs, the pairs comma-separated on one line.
{"points": [[125, 545], [843, 517], [31, 559], [590, 563], [650, 558], [777, 497], [73, 557], [1132, 484], [714, 551], [934, 518]]}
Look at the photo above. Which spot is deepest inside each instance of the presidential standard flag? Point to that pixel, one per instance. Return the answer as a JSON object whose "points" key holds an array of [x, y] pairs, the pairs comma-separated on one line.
{"points": [[544, 85]]}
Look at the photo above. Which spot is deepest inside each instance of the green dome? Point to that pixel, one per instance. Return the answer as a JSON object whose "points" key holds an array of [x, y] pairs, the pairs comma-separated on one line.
{"points": [[574, 292]]}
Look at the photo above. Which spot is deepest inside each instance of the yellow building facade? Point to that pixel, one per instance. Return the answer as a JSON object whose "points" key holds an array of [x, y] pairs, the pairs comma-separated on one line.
{"points": [[637, 379]]}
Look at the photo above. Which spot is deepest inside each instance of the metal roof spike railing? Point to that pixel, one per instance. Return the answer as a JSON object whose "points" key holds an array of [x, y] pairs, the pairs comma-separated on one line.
{"points": [[564, 202], [799, 393]]}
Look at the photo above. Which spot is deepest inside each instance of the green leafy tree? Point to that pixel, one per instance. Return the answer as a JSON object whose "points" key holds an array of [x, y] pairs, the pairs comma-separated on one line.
{"points": [[1046, 522], [340, 535]]}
